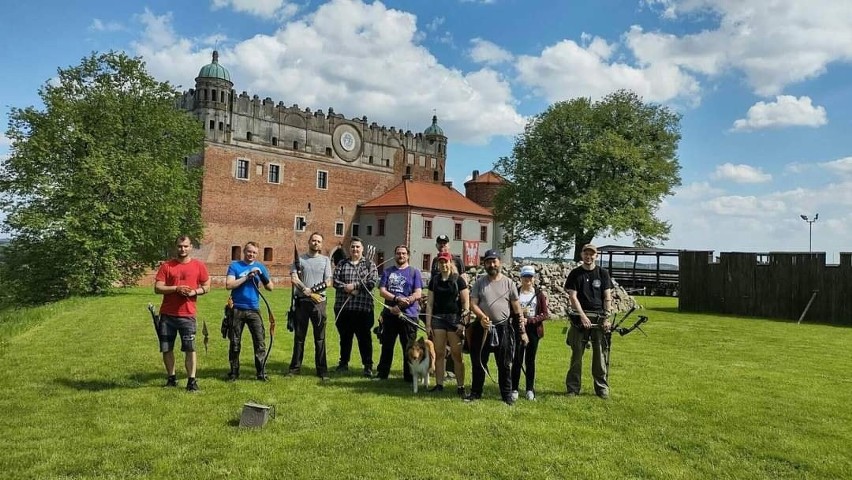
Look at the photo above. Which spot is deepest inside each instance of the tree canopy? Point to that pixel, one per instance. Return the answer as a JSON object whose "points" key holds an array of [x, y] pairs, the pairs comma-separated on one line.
{"points": [[97, 185], [583, 169]]}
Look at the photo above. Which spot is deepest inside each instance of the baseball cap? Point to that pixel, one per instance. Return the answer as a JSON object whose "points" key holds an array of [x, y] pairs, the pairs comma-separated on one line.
{"points": [[527, 271], [492, 253], [445, 256], [591, 247], [442, 239]]}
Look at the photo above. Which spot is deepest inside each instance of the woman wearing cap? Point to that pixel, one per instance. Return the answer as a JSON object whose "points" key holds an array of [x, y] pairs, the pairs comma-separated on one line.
{"points": [[534, 309], [448, 302]]}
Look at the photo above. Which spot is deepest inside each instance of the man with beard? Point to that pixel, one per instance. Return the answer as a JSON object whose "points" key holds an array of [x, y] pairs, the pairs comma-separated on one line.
{"points": [[494, 301], [243, 279], [354, 279], [310, 284], [589, 291], [180, 281], [401, 287]]}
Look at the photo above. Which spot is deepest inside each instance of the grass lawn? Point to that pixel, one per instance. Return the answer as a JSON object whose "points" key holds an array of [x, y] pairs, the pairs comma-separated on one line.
{"points": [[702, 396]]}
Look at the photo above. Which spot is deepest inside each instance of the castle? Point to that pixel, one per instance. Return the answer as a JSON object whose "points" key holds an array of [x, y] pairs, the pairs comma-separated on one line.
{"points": [[274, 173]]}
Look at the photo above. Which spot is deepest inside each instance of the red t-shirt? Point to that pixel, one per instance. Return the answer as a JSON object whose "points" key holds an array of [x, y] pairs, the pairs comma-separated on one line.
{"points": [[192, 273]]}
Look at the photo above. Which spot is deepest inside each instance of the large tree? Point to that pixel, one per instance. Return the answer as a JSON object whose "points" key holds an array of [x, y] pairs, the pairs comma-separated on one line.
{"points": [[583, 169], [96, 187]]}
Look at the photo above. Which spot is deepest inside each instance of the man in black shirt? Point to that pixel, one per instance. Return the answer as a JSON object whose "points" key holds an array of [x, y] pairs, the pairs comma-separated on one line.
{"points": [[590, 292]]}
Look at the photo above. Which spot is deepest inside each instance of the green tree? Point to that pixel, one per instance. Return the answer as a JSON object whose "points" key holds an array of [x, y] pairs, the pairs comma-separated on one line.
{"points": [[96, 187], [583, 169]]}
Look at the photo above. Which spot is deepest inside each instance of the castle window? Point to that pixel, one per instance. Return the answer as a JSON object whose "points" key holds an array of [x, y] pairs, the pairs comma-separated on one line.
{"points": [[328, 151], [213, 94], [299, 223], [223, 96], [387, 162], [457, 231], [370, 160], [274, 141], [205, 94], [409, 158], [427, 228], [381, 228], [221, 126], [435, 175], [322, 179], [483, 233], [248, 136], [369, 230], [242, 171], [422, 160], [235, 252], [338, 229], [212, 124], [267, 254], [295, 145], [274, 173], [427, 262], [356, 230], [434, 162]]}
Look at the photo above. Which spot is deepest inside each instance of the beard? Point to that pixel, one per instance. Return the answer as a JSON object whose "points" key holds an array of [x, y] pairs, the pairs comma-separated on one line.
{"points": [[492, 271]]}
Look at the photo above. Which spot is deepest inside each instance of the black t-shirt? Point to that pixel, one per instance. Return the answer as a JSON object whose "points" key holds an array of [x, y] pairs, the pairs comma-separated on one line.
{"points": [[446, 297], [590, 286], [437, 273]]}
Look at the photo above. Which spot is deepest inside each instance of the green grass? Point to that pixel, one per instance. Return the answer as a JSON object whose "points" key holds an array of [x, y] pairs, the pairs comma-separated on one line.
{"points": [[701, 397]]}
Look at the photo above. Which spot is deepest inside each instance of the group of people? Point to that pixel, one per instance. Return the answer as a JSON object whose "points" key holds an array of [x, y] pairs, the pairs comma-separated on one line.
{"points": [[491, 315]]}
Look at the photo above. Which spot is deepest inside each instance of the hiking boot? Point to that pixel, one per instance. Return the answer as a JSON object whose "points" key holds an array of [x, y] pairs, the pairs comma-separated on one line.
{"points": [[342, 368], [368, 372], [191, 385], [171, 381], [293, 372], [232, 376], [530, 395], [262, 377], [603, 395], [509, 401], [472, 397], [437, 388], [460, 391]]}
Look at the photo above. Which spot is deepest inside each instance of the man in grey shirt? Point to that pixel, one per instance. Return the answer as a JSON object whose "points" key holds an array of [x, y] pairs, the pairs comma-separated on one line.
{"points": [[494, 301], [309, 283]]}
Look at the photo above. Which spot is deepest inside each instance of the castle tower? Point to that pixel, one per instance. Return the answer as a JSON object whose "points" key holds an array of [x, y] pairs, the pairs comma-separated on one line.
{"points": [[214, 99], [437, 143], [483, 189]]}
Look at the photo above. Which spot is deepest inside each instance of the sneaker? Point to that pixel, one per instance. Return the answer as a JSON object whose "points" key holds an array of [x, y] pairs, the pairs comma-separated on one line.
{"points": [[603, 395], [460, 391], [293, 372], [171, 381], [232, 377], [368, 372], [192, 385], [530, 395], [514, 396], [437, 388], [472, 397], [509, 401], [262, 377], [449, 376], [342, 368]]}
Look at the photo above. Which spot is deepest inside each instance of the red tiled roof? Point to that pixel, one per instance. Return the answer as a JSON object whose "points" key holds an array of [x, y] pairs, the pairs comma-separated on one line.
{"points": [[427, 195], [487, 177]]}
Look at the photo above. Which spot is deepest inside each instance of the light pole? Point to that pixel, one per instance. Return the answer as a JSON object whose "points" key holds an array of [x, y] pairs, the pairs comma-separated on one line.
{"points": [[810, 229]]}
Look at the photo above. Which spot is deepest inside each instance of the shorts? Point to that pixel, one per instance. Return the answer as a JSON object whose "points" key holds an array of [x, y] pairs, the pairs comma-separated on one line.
{"points": [[445, 321], [169, 328]]}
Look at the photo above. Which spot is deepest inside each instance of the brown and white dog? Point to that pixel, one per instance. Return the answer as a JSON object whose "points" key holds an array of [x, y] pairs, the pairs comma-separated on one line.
{"points": [[420, 356]]}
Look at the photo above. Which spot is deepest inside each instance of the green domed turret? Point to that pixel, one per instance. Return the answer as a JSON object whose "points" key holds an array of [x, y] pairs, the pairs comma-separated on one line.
{"points": [[434, 129], [214, 70]]}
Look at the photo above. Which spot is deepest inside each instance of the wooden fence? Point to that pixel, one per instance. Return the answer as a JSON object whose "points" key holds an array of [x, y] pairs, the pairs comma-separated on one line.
{"points": [[774, 285]]}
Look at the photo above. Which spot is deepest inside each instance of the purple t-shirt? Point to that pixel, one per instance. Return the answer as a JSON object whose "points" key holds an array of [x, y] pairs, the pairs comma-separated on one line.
{"points": [[402, 283]]}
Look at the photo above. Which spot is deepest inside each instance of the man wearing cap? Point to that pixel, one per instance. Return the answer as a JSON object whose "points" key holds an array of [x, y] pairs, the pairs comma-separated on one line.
{"points": [[494, 301], [442, 243], [590, 292]]}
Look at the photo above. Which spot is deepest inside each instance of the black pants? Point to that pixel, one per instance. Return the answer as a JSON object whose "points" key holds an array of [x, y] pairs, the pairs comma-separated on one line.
{"points": [[308, 311], [394, 327], [358, 324], [525, 356], [251, 319], [503, 353]]}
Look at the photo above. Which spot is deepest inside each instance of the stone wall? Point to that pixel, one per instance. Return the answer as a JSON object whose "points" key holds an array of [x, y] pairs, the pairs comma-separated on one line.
{"points": [[551, 278]]}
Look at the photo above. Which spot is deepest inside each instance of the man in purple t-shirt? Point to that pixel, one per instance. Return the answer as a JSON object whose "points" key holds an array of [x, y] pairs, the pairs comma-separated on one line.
{"points": [[401, 287]]}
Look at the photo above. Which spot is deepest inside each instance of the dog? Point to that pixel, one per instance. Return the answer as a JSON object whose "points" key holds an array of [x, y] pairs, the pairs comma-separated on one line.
{"points": [[420, 356]]}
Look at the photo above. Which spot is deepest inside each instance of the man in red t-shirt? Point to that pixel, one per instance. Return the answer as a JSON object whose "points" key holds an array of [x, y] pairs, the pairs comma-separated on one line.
{"points": [[180, 280]]}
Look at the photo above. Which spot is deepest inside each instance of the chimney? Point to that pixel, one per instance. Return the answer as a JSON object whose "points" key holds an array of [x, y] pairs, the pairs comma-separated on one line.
{"points": [[447, 184], [475, 175]]}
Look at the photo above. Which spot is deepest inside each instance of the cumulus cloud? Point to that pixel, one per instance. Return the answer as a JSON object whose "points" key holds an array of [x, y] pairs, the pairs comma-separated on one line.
{"points": [[99, 25], [744, 206], [489, 53], [842, 166], [741, 173], [567, 69], [270, 9], [773, 44], [785, 111], [361, 59], [697, 190]]}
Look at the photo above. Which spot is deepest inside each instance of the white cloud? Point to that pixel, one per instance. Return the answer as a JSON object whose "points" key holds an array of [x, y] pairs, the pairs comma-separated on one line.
{"points": [[744, 206], [271, 9], [435, 24], [741, 173], [99, 25], [361, 59], [488, 53], [773, 43], [566, 70], [484, 2], [842, 166], [785, 111], [697, 190]]}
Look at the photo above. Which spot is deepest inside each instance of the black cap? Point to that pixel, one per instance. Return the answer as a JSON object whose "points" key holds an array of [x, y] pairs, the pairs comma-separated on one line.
{"points": [[492, 253], [442, 239]]}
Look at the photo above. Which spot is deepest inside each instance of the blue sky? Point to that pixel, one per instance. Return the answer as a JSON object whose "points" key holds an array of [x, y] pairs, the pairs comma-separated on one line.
{"points": [[763, 86]]}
